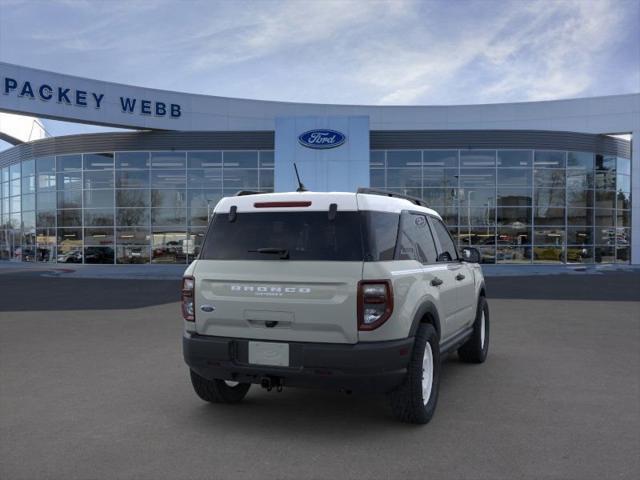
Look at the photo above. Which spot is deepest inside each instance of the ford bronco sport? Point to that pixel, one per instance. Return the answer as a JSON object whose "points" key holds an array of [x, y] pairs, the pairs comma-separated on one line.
{"points": [[357, 291]]}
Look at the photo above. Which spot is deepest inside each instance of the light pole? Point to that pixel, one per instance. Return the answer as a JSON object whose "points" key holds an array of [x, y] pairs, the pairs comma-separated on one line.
{"points": [[487, 213], [469, 216]]}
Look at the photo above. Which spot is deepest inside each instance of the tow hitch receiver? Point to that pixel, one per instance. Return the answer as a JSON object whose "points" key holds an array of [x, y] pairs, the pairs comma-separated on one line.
{"points": [[269, 383]]}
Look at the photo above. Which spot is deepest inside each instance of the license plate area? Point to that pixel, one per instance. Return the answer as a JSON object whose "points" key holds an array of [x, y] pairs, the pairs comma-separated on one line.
{"points": [[269, 353]]}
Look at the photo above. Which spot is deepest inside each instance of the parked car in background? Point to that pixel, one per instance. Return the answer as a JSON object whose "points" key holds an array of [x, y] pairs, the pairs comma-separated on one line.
{"points": [[72, 256]]}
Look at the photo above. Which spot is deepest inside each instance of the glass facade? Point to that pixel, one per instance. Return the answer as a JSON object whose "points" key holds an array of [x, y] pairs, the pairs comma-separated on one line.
{"points": [[515, 206], [520, 206], [120, 207]]}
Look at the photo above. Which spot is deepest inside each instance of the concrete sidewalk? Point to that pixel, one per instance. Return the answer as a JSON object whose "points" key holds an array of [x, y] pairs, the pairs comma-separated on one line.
{"points": [[141, 272], [168, 272], [551, 269]]}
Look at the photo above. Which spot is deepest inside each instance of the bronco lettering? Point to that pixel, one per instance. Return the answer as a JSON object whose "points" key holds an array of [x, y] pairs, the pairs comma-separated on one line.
{"points": [[265, 289]]}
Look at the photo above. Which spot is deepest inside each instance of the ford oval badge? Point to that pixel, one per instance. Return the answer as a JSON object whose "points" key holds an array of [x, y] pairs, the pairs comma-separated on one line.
{"points": [[322, 138]]}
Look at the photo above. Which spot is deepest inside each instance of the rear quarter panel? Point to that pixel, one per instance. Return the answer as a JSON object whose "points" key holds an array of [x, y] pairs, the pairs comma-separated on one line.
{"points": [[410, 292]]}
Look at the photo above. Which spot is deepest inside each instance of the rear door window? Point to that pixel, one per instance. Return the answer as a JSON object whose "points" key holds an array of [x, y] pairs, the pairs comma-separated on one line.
{"points": [[448, 252], [415, 241]]}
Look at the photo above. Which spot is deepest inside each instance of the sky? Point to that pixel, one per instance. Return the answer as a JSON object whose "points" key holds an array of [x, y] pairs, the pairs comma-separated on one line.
{"points": [[396, 52]]}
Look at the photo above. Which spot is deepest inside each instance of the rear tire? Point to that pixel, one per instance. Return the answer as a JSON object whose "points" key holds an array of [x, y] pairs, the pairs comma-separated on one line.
{"points": [[218, 391], [475, 349], [415, 400]]}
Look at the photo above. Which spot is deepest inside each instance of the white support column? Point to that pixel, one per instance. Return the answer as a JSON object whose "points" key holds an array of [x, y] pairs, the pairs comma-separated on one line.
{"points": [[635, 198]]}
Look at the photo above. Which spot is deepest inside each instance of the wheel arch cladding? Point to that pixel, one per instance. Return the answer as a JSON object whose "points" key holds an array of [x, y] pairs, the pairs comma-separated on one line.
{"points": [[427, 313]]}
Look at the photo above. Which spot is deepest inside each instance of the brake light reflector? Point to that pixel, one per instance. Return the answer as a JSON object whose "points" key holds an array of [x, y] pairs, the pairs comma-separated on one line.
{"points": [[188, 299], [375, 303]]}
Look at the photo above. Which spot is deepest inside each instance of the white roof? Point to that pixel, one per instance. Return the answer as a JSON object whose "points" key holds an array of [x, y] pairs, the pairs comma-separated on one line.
{"points": [[320, 201]]}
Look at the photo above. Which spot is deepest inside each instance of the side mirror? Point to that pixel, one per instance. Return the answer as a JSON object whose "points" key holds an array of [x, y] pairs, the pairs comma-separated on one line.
{"points": [[471, 255]]}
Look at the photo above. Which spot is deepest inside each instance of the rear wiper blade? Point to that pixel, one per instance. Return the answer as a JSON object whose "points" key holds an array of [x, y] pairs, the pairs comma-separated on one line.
{"points": [[283, 252]]}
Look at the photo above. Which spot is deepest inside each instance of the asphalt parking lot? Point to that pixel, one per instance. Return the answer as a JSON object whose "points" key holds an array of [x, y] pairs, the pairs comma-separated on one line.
{"points": [[93, 386]]}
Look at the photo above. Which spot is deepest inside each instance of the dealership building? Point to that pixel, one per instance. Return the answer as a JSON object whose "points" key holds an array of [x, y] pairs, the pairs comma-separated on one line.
{"points": [[538, 182]]}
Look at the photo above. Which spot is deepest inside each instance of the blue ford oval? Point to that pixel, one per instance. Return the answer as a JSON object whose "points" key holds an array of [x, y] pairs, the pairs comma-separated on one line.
{"points": [[322, 138]]}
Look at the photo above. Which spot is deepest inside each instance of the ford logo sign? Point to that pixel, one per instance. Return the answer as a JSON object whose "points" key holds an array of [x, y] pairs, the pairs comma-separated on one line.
{"points": [[322, 138]]}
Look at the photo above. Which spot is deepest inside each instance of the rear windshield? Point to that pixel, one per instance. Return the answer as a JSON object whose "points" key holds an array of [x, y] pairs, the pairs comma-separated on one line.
{"points": [[299, 236]]}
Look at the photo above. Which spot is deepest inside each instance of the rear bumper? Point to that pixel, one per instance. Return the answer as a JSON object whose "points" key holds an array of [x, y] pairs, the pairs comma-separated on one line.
{"points": [[368, 367]]}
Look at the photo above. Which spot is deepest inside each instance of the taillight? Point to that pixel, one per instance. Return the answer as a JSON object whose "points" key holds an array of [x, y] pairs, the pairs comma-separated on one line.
{"points": [[375, 303], [187, 299]]}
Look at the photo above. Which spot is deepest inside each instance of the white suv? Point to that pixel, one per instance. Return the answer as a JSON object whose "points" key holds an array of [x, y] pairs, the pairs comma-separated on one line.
{"points": [[357, 291]]}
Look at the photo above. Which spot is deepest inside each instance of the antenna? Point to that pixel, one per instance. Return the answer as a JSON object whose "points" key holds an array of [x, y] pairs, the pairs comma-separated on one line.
{"points": [[301, 187]]}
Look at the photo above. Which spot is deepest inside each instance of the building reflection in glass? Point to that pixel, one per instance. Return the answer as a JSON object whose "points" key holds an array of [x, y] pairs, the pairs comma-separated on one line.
{"points": [[515, 206]]}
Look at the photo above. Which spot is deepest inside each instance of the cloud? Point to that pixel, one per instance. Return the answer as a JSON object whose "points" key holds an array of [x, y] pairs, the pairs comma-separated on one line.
{"points": [[337, 51], [404, 95], [553, 55], [532, 51], [287, 26]]}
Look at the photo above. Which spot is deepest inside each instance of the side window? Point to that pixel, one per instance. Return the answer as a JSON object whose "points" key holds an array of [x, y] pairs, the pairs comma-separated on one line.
{"points": [[449, 252], [380, 233], [415, 241]]}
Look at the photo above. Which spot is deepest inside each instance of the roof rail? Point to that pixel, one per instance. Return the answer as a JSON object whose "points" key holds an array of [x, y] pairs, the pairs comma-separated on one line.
{"points": [[385, 193], [242, 193]]}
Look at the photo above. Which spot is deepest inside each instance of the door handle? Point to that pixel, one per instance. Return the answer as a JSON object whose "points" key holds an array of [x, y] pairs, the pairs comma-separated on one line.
{"points": [[460, 277], [436, 281]]}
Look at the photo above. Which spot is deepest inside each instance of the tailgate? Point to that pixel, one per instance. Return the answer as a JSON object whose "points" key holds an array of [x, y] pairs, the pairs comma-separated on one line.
{"points": [[299, 301]]}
